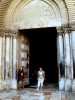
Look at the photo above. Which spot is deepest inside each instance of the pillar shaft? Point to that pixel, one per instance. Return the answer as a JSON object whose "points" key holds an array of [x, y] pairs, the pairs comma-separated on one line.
{"points": [[11, 56], [61, 66], [68, 64], [73, 52], [14, 63], [67, 56], [73, 59], [7, 56], [0, 55], [14, 57], [71, 56], [61, 51], [0, 61], [3, 57]]}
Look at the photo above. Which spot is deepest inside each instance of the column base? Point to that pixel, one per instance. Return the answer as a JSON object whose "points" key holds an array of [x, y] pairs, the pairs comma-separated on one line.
{"points": [[73, 86], [0, 85], [62, 84], [3, 84], [14, 84], [68, 85]]}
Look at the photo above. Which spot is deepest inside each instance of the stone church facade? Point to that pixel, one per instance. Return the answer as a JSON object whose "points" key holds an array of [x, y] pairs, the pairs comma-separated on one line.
{"points": [[16, 15]]}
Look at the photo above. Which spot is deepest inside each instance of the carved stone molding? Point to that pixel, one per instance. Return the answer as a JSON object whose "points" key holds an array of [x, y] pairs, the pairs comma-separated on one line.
{"points": [[60, 30], [69, 27], [66, 29], [8, 32], [72, 26]]}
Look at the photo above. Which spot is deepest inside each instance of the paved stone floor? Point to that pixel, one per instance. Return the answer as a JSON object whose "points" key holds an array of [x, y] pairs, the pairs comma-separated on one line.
{"points": [[32, 94]]}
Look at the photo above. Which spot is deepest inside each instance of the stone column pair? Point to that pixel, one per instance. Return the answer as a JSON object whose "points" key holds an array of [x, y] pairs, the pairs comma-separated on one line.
{"points": [[65, 59], [8, 61]]}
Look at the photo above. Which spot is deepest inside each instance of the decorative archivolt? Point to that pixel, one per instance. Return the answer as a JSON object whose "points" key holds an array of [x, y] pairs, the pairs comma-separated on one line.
{"points": [[71, 9], [12, 9]]}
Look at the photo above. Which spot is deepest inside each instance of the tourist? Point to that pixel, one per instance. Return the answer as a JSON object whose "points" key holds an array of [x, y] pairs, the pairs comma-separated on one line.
{"points": [[21, 77], [40, 78]]}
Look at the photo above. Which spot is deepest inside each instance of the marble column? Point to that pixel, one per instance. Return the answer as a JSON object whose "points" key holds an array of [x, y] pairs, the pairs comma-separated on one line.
{"points": [[60, 46], [14, 81], [7, 63], [10, 60], [3, 62], [10, 64], [7, 57], [73, 55], [17, 58], [68, 82], [0, 62]]}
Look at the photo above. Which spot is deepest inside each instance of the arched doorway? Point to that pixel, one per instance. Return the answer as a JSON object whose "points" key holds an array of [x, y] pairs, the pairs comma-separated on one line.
{"points": [[43, 52], [30, 14]]}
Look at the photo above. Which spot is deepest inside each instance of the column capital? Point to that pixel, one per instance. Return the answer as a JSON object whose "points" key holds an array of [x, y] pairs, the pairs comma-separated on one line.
{"points": [[72, 26], [60, 30], [8, 32], [66, 28]]}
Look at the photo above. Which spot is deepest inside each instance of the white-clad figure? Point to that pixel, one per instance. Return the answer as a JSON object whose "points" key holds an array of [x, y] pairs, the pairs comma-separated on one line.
{"points": [[40, 78]]}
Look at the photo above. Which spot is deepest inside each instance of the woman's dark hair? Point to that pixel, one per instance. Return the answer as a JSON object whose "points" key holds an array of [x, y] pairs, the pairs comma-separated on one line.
{"points": [[40, 67]]}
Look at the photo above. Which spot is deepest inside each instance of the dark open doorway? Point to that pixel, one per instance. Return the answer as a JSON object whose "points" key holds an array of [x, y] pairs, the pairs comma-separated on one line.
{"points": [[43, 52]]}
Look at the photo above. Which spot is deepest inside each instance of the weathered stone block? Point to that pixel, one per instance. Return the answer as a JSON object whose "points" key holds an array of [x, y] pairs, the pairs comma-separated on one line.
{"points": [[63, 96], [62, 84], [68, 85], [73, 86]]}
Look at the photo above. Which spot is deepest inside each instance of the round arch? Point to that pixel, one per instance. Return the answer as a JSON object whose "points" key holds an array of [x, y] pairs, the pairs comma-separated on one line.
{"points": [[18, 14]]}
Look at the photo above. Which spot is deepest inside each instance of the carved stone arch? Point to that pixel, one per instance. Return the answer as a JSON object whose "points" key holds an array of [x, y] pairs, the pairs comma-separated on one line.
{"points": [[15, 17], [6, 22]]}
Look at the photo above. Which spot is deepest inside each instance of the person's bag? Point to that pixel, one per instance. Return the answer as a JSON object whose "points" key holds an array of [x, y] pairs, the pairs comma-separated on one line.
{"points": [[38, 79]]}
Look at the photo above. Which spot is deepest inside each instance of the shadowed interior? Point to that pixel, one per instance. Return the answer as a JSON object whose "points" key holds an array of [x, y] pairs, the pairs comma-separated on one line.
{"points": [[43, 53]]}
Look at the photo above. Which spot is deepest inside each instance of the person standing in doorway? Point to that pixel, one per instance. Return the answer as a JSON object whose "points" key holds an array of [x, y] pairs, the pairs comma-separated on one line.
{"points": [[21, 77], [40, 78]]}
